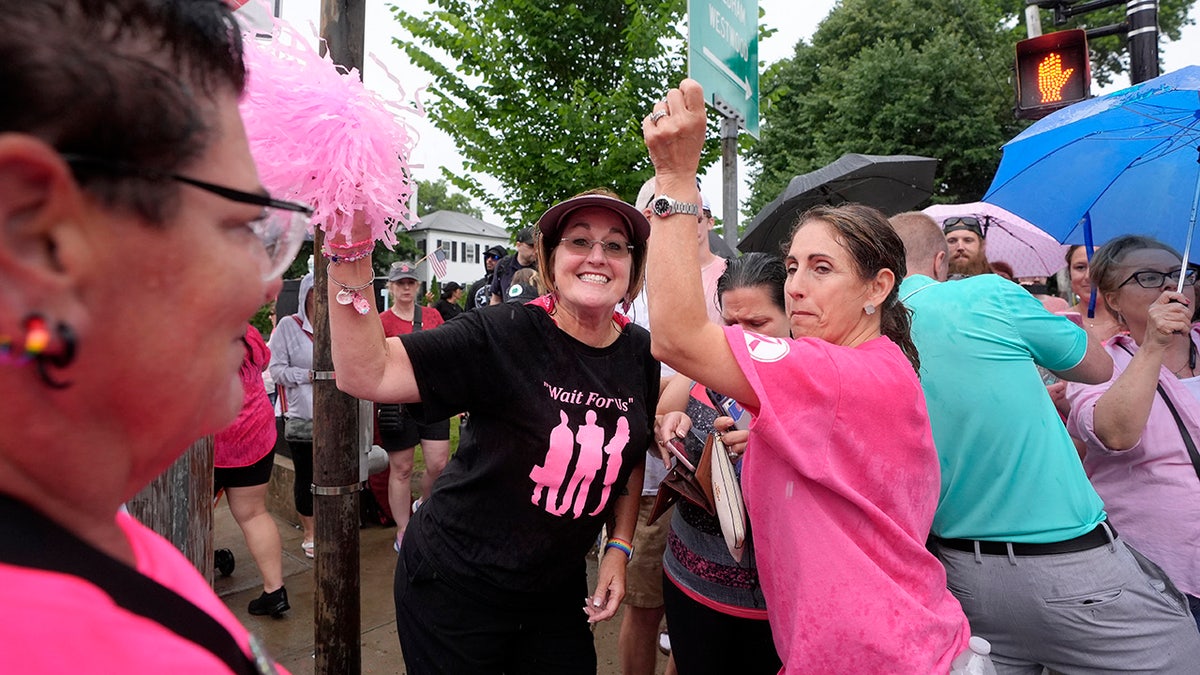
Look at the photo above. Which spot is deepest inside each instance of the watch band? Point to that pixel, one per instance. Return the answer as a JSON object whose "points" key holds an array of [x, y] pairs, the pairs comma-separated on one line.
{"points": [[663, 206]]}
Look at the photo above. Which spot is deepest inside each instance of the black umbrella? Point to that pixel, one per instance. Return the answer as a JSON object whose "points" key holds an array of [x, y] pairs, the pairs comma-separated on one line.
{"points": [[890, 183], [716, 244]]}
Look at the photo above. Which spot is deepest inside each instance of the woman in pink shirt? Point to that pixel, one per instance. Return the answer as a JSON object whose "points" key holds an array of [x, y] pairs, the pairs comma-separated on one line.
{"points": [[243, 456], [1137, 452], [136, 242], [840, 475]]}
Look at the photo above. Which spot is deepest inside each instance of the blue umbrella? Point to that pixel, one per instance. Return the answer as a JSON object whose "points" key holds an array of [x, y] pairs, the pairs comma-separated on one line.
{"points": [[1124, 163]]}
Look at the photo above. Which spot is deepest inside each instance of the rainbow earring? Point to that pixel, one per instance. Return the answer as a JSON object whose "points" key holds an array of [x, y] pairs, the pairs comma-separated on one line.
{"points": [[35, 348], [35, 342]]}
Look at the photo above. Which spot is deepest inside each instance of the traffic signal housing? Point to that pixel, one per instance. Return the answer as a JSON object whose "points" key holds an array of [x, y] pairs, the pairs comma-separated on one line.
{"points": [[1053, 71]]}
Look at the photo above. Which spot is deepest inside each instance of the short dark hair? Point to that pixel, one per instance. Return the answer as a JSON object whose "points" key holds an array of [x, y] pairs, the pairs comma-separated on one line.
{"points": [[129, 81], [751, 271]]}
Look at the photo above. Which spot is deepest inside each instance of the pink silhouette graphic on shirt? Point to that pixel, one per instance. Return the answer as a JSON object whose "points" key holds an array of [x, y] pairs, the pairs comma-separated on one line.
{"points": [[590, 438], [553, 471], [613, 450]]}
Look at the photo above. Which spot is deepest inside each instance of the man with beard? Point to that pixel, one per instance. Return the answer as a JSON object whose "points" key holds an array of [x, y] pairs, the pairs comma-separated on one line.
{"points": [[480, 292], [968, 249]]}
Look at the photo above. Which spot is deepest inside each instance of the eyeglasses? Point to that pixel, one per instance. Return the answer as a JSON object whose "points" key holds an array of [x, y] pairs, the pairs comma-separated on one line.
{"points": [[1155, 279], [616, 250], [492, 256], [281, 227]]}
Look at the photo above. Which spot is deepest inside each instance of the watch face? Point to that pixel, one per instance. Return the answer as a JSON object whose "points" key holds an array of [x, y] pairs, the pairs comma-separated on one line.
{"points": [[661, 206]]}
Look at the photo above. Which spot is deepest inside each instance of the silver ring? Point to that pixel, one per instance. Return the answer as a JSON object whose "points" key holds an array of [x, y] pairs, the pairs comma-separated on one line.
{"points": [[656, 116]]}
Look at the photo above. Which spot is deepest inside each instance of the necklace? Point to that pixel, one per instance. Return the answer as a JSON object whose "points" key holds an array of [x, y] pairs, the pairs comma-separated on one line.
{"points": [[1191, 364]]}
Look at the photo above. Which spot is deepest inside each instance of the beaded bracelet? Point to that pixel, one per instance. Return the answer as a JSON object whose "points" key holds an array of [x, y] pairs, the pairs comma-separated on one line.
{"points": [[620, 545], [349, 295], [351, 256], [365, 243]]}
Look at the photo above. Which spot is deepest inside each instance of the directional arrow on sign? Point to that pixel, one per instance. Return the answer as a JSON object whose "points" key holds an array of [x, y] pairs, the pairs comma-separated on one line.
{"points": [[723, 57], [742, 83]]}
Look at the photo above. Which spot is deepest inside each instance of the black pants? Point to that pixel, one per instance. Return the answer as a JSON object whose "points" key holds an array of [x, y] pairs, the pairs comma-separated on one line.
{"points": [[302, 459], [704, 640], [442, 630]]}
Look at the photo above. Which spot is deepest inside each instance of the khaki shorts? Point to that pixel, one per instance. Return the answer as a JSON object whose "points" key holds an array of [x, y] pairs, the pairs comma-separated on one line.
{"points": [[643, 576]]}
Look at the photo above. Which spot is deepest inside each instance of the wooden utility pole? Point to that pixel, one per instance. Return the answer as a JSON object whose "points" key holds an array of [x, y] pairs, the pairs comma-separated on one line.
{"points": [[178, 505], [336, 483]]}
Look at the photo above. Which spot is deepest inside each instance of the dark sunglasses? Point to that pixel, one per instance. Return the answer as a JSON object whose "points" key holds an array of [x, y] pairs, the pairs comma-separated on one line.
{"points": [[964, 222]]}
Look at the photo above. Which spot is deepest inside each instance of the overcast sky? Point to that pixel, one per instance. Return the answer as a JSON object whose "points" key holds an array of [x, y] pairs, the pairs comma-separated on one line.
{"points": [[794, 19]]}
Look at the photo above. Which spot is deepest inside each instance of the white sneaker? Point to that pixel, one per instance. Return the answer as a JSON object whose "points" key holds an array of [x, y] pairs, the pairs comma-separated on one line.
{"points": [[307, 546]]}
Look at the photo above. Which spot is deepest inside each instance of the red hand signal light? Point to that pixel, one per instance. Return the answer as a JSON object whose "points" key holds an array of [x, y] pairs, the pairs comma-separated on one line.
{"points": [[1053, 72], [1052, 78]]}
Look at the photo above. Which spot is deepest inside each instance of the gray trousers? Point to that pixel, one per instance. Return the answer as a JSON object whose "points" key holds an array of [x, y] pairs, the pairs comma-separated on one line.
{"points": [[1104, 610]]}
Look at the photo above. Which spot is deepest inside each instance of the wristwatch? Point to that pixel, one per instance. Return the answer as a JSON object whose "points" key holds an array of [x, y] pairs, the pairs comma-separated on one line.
{"points": [[665, 206]]}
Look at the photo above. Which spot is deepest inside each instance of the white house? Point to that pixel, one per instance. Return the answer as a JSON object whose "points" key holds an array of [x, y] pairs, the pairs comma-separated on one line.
{"points": [[464, 239]]}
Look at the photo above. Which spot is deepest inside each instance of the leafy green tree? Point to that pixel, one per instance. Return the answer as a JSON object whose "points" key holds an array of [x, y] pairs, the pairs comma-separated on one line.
{"points": [[921, 77], [548, 96], [436, 196]]}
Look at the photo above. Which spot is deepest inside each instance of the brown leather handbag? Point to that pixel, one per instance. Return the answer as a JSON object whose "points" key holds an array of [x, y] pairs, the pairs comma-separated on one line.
{"points": [[682, 483]]}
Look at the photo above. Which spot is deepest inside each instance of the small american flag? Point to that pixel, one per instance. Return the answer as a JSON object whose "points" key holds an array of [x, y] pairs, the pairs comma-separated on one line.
{"points": [[437, 260]]}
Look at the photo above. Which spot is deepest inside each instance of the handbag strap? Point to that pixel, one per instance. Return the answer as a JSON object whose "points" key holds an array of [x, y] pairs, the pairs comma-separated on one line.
{"points": [[1187, 438], [29, 539], [300, 323], [1193, 454]]}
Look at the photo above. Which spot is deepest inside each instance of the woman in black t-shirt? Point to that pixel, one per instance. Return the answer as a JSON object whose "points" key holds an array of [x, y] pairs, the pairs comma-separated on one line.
{"points": [[492, 567]]}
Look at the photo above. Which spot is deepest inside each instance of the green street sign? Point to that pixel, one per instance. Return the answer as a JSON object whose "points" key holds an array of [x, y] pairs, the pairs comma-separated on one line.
{"points": [[723, 56]]}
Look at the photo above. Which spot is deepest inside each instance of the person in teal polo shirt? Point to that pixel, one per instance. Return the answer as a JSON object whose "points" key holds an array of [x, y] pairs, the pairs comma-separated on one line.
{"points": [[1022, 534]]}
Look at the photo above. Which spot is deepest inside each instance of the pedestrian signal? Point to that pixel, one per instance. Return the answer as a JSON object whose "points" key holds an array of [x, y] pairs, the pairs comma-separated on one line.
{"points": [[1053, 71]]}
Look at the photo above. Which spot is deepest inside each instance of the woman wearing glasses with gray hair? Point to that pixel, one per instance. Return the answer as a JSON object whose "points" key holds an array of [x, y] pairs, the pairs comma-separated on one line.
{"points": [[1141, 427]]}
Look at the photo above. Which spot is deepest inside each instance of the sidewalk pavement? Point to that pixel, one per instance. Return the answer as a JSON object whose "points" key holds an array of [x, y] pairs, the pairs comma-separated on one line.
{"points": [[291, 639]]}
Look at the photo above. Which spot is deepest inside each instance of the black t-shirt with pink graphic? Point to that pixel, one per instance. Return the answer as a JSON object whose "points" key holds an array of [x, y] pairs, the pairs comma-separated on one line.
{"points": [[558, 427]]}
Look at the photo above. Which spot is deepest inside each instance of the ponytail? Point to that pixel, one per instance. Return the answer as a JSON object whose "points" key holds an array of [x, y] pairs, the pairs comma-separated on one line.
{"points": [[895, 323]]}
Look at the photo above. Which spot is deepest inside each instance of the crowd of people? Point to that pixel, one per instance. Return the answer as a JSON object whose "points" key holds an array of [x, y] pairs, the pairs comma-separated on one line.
{"points": [[942, 472]]}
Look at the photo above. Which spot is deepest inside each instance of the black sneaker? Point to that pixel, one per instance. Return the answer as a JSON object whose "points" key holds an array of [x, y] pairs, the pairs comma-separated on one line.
{"points": [[274, 603]]}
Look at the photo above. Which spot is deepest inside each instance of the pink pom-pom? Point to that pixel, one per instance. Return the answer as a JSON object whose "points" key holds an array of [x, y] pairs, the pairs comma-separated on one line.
{"points": [[320, 137]]}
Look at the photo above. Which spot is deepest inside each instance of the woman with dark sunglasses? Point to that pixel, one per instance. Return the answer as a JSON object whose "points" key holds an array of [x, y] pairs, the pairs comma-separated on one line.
{"points": [[1141, 427]]}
